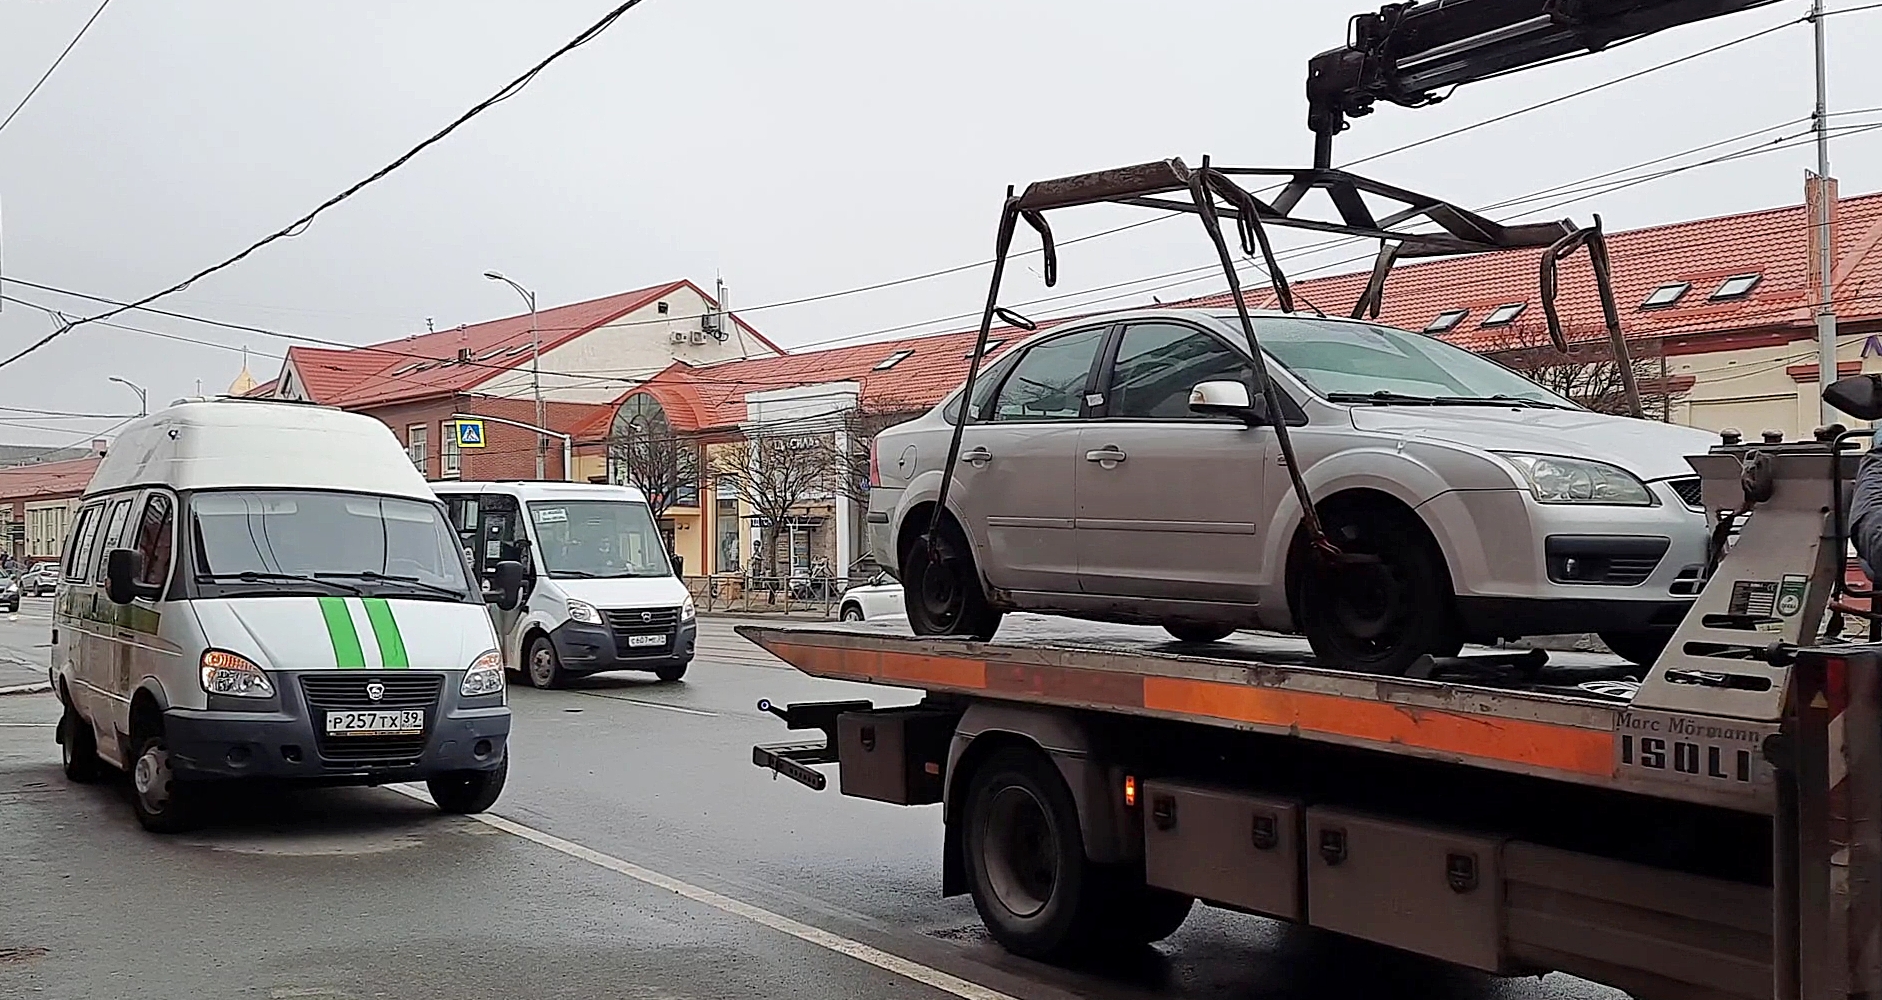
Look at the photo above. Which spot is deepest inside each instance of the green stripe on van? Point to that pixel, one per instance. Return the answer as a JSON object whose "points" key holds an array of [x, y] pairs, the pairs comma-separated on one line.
{"points": [[385, 628], [340, 630]]}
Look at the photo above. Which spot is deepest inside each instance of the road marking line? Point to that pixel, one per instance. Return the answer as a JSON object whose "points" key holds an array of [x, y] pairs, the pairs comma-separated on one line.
{"points": [[26, 688], [896, 964], [652, 704], [29, 725]]}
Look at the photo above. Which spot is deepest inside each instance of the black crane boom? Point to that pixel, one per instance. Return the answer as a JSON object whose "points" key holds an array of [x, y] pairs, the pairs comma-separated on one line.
{"points": [[1410, 54]]}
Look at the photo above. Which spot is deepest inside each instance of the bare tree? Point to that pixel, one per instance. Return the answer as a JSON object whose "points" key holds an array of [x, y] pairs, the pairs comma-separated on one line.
{"points": [[859, 426], [777, 473], [1590, 375], [646, 454]]}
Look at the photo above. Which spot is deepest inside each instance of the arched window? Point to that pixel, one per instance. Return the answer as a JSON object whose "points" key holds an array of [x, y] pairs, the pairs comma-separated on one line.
{"points": [[644, 452]]}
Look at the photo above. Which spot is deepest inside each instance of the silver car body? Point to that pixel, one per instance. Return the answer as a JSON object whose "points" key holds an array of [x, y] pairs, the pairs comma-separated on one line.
{"points": [[1182, 519]]}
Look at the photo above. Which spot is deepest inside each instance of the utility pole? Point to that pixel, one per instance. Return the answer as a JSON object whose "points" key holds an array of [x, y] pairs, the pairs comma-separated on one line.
{"points": [[535, 377], [1826, 209]]}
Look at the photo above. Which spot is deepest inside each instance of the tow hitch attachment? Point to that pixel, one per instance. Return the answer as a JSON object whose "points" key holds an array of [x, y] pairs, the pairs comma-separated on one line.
{"points": [[794, 760]]}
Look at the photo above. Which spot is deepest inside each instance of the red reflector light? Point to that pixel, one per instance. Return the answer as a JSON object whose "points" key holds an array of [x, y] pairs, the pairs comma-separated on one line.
{"points": [[875, 471], [1130, 791]]}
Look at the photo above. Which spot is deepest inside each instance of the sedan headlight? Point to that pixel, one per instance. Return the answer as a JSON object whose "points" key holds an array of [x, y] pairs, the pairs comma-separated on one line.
{"points": [[687, 611], [234, 676], [582, 611], [1554, 479], [483, 677]]}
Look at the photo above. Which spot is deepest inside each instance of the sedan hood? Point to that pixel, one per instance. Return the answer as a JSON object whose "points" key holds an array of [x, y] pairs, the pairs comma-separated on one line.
{"points": [[1645, 448]]}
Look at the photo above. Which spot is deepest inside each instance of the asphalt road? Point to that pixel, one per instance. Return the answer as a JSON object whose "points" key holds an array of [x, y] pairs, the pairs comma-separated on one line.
{"points": [[636, 853]]}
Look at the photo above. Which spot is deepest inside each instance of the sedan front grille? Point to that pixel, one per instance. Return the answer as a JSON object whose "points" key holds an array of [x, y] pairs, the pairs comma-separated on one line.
{"points": [[1689, 492], [345, 690]]}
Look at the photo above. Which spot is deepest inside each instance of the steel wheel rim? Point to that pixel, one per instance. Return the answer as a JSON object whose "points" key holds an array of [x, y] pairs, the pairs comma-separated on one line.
{"points": [[1019, 855], [542, 666], [939, 594], [151, 778]]}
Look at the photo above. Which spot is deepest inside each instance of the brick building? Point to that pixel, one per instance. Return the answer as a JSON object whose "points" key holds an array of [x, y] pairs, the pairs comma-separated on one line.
{"points": [[36, 504]]}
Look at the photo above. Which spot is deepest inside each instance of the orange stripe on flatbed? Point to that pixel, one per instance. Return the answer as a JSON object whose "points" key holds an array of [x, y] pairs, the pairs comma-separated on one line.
{"points": [[1537, 744], [907, 669]]}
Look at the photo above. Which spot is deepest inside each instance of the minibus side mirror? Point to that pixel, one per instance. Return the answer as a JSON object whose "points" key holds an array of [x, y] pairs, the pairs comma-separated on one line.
{"points": [[508, 579], [122, 568]]}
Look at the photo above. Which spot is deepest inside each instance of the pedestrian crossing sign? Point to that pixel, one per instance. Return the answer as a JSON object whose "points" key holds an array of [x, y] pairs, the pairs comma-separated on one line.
{"points": [[470, 434]]}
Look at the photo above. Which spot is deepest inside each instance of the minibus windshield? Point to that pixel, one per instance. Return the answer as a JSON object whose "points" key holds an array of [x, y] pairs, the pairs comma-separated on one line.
{"points": [[598, 539], [327, 542]]}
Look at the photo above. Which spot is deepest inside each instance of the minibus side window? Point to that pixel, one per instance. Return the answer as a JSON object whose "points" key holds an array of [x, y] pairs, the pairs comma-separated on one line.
{"points": [[79, 542], [114, 530], [154, 538]]}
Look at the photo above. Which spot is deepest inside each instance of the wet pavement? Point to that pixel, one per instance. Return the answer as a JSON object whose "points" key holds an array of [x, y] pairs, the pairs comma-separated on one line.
{"points": [[636, 853]]}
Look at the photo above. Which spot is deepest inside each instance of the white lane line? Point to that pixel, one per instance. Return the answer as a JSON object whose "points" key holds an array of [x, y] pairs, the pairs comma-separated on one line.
{"points": [[653, 704], [896, 964], [29, 725]]}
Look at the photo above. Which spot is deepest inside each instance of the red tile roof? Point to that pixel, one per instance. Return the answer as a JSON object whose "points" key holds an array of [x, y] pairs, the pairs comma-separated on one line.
{"points": [[1772, 243], [47, 481], [426, 365], [704, 398]]}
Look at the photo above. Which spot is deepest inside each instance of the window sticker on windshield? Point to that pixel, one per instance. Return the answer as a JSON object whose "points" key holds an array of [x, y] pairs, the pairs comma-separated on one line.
{"points": [[551, 515], [493, 550]]}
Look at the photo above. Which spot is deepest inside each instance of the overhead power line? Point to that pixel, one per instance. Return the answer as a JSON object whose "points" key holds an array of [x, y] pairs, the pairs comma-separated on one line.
{"points": [[69, 46], [300, 225]]}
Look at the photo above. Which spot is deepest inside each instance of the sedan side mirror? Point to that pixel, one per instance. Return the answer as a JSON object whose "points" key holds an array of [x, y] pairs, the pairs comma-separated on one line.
{"points": [[508, 578], [1860, 396], [122, 568], [1227, 398]]}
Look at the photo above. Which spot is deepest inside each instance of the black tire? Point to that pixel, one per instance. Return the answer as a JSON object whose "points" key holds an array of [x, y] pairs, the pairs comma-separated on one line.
{"points": [[163, 802], [1377, 617], [78, 748], [941, 588], [1025, 859], [1190, 632], [466, 793], [852, 613], [1640, 648], [670, 674], [542, 668]]}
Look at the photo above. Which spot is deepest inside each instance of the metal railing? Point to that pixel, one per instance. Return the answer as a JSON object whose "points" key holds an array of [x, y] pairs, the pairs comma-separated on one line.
{"points": [[819, 597]]}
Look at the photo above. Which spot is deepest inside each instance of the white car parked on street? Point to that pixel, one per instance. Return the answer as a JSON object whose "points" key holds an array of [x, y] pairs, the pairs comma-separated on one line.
{"points": [[881, 597], [1125, 468]]}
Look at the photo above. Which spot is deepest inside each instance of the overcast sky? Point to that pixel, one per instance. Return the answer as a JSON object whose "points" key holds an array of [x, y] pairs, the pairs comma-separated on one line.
{"points": [[794, 148]]}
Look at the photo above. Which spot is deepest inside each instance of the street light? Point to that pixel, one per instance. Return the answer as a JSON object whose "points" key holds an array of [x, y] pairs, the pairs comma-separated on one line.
{"points": [[143, 398], [535, 370]]}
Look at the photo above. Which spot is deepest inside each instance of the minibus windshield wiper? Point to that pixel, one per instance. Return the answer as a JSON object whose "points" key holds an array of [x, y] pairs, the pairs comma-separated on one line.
{"points": [[251, 576], [408, 581]]}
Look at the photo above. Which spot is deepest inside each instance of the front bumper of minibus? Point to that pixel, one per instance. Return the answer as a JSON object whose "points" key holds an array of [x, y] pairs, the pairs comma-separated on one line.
{"points": [[288, 738]]}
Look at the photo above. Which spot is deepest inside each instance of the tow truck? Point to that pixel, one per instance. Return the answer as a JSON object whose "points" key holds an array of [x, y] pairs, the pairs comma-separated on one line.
{"points": [[1712, 829]]}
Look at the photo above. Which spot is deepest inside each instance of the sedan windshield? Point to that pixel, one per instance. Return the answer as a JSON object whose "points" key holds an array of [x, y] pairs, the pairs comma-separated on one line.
{"points": [[315, 542], [1347, 360], [597, 539]]}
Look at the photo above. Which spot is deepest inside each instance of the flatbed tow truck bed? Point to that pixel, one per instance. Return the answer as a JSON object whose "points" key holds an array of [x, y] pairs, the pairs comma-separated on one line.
{"points": [[1500, 814]]}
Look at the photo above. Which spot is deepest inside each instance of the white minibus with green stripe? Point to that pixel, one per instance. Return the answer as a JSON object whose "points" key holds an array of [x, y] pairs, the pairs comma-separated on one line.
{"points": [[258, 589]]}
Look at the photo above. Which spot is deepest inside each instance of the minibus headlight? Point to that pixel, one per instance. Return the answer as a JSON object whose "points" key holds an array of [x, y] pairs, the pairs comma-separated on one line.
{"points": [[581, 611], [687, 611], [483, 677], [234, 676]]}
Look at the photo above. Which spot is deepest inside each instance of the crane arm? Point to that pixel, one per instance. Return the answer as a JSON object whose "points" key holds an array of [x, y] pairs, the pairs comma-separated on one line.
{"points": [[1410, 54]]}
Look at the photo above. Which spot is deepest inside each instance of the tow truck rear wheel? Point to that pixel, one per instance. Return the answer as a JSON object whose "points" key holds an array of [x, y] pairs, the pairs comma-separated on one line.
{"points": [[1037, 893], [941, 588]]}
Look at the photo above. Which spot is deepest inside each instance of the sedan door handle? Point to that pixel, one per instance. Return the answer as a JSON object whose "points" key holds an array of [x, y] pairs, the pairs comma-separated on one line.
{"points": [[978, 457], [1107, 456]]}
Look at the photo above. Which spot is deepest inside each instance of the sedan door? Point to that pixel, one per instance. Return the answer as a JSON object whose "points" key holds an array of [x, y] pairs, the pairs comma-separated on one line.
{"points": [[1169, 502], [1019, 457]]}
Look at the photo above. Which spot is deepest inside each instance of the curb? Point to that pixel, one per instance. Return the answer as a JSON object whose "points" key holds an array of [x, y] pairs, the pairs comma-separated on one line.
{"points": [[40, 688]]}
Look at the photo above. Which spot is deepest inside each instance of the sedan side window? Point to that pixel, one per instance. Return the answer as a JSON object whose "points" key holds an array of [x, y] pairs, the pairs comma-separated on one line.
{"points": [[1049, 382], [1158, 363]]}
